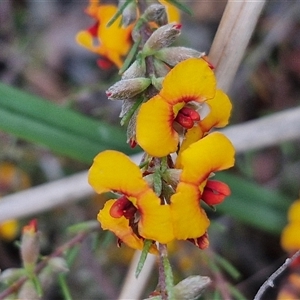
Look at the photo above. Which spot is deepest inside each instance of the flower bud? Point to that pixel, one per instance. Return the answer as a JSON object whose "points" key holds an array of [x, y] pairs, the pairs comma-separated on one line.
{"points": [[11, 275], [126, 106], [30, 247], [156, 13], [28, 291], [174, 55], [162, 37], [201, 242], [161, 69], [129, 14], [58, 265], [128, 88], [215, 192], [137, 69]]}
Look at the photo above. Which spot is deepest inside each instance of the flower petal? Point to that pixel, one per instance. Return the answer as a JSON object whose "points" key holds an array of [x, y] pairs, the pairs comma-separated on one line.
{"points": [[294, 212], [154, 128], [290, 238], [119, 226], [85, 39], [189, 219], [192, 135], [220, 109], [190, 80], [212, 153], [155, 223], [113, 170]]}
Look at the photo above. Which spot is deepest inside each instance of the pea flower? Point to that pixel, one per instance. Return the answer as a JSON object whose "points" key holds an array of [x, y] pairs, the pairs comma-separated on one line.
{"points": [[185, 89], [290, 239], [112, 42], [140, 213]]}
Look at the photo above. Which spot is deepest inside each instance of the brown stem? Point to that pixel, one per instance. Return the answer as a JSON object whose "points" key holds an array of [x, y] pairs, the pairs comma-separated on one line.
{"points": [[161, 271]]}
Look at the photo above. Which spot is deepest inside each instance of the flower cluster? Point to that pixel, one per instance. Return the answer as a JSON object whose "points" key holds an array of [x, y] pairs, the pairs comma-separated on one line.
{"points": [[113, 42], [171, 103]]}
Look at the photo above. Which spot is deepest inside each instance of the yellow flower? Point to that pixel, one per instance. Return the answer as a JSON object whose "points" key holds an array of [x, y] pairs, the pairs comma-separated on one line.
{"points": [[187, 85], [210, 154], [290, 238], [141, 214], [112, 43], [11, 179], [114, 171]]}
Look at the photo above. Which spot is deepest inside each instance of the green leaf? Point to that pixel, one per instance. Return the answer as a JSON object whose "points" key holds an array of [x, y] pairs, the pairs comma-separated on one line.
{"points": [[60, 129], [130, 56], [62, 281], [157, 182], [169, 277], [118, 13], [143, 257], [254, 205]]}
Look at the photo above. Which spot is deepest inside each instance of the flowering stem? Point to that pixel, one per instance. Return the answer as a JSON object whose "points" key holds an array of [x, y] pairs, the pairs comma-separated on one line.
{"points": [[270, 281], [165, 274], [58, 252]]}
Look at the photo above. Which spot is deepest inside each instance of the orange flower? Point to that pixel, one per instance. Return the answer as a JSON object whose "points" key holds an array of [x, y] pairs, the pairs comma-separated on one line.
{"points": [[189, 84], [158, 218], [113, 42]]}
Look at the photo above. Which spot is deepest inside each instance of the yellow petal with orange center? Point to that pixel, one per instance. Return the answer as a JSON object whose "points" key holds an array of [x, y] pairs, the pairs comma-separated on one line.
{"points": [[154, 128], [189, 219], [120, 227], [212, 153], [220, 109], [155, 223], [113, 170], [290, 237], [294, 212], [190, 80]]}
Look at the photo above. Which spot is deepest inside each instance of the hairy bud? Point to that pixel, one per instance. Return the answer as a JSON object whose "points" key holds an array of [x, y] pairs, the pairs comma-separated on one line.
{"points": [[162, 37], [174, 55], [128, 88], [129, 14], [156, 13], [137, 69]]}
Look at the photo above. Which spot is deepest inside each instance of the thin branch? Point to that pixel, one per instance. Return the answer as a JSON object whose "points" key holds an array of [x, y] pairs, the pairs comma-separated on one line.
{"points": [[58, 252], [270, 281]]}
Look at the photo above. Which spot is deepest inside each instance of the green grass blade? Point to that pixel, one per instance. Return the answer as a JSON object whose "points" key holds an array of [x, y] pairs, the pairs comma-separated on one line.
{"points": [[60, 129], [59, 141]]}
